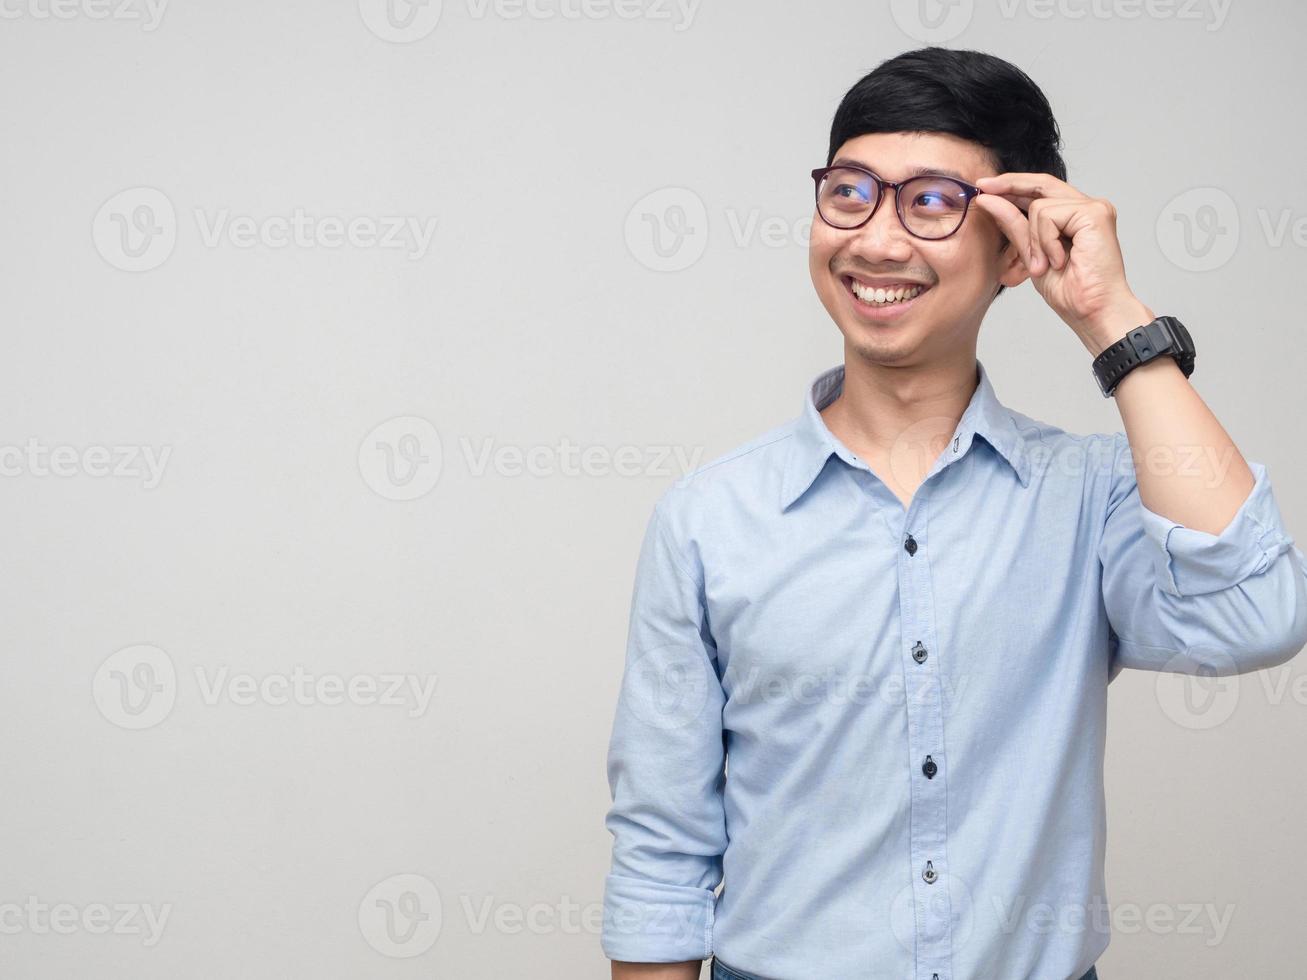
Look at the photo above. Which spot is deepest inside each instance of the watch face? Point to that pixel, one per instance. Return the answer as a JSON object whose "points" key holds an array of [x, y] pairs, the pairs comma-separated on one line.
{"points": [[1183, 342]]}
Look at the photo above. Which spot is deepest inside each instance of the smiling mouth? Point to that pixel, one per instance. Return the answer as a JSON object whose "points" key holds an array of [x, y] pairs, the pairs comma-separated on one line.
{"points": [[884, 295]]}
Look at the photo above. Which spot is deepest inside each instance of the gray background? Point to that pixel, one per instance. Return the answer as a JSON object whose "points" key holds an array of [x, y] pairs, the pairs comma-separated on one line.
{"points": [[547, 359]]}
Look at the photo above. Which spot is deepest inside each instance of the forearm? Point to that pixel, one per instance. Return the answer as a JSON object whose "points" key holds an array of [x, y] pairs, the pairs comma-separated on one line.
{"points": [[657, 971], [1188, 468]]}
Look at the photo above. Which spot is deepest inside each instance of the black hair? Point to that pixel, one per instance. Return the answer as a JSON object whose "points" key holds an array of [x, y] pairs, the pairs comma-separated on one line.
{"points": [[968, 94]]}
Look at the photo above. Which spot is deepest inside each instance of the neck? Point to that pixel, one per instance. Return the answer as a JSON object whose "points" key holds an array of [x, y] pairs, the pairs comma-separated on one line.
{"points": [[886, 409]]}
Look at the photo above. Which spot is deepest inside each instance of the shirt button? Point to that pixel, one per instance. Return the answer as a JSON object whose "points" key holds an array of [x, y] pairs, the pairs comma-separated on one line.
{"points": [[910, 546], [929, 768], [929, 874], [918, 652]]}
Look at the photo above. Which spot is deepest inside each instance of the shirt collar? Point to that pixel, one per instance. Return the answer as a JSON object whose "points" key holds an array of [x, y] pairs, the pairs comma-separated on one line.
{"points": [[813, 443]]}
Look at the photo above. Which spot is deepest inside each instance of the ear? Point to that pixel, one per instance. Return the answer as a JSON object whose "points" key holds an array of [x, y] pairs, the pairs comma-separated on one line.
{"points": [[1012, 269]]}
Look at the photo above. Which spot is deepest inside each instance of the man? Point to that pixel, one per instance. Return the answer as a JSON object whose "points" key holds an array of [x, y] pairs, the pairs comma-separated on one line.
{"points": [[898, 614]]}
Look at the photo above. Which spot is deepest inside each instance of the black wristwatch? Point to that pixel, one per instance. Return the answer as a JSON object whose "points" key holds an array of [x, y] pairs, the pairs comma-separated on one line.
{"points": [[1164, 337]]}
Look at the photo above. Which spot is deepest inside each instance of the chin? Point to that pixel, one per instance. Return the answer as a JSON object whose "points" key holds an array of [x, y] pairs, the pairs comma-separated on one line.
{"points": [[879, 349]]}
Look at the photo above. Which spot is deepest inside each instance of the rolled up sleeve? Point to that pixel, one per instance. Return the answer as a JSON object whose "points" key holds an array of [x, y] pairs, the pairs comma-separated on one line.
{"points": [[666, 766], [1187, 600]]}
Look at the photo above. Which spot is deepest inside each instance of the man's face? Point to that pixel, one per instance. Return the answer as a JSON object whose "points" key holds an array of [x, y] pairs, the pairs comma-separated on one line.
{"points": [[958, 275]]}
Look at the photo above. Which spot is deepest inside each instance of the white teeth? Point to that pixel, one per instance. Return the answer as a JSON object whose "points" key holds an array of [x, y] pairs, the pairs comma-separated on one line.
{"points": [[879, 296]]}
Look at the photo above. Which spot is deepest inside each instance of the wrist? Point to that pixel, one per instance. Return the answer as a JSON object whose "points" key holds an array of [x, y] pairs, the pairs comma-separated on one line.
{"points": [[1110, 326]]}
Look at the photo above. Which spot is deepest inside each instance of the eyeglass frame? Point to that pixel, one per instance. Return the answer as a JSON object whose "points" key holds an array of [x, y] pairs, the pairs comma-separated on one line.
{"points": [[970, 190]]}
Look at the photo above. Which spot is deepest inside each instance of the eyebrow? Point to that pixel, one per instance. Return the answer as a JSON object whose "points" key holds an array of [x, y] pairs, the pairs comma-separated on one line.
{"points": [[912, 171]]}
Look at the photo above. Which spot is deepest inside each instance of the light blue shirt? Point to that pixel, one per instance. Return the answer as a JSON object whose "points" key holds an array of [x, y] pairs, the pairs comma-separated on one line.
{"points": [[883, 729]]}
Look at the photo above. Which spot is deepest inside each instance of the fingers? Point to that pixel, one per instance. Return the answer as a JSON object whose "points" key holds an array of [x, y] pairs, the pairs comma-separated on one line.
{"points": [[1054, 224], [1033, 193], [1040, 234], [1049, 221], [1010, 221], [1027, 185]]}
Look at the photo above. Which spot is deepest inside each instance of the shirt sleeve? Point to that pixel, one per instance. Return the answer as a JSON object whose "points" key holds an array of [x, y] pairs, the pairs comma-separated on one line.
{"points": [[666, 766], [1184, 600]]}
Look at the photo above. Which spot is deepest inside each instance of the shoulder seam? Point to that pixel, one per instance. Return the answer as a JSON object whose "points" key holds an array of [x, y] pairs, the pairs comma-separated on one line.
{"points": [[740, 452], [673, 548]]}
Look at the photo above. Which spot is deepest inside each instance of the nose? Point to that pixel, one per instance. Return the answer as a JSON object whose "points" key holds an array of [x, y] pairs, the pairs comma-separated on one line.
{"points": [[883, 238]]}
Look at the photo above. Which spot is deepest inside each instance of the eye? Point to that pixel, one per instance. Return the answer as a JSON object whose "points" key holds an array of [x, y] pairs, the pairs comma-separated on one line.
{"points": [[932, 196]]}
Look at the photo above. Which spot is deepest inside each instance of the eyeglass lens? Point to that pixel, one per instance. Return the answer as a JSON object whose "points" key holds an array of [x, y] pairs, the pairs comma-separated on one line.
{"points": [[930, 207]]}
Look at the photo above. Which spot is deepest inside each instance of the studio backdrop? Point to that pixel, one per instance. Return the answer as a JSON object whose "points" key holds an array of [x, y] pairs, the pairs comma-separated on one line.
{"points": [[348, 346]]}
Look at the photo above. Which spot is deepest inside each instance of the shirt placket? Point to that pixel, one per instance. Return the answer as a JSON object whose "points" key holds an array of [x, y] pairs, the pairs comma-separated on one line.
{"points": [[928, 766]]}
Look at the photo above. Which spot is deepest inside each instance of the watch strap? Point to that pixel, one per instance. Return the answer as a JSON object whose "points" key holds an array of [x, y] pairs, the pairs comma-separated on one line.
{"points": [[1164, 337]]}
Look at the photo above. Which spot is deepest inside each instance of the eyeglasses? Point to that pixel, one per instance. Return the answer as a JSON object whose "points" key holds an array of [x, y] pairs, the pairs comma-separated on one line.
{"points": [[848, 196]]}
